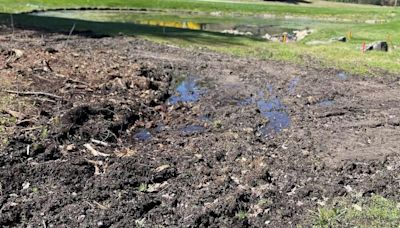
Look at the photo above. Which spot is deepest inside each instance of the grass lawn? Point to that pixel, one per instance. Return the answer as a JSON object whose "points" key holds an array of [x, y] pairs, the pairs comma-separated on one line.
{"points": [[346, 56], [374, 211]]}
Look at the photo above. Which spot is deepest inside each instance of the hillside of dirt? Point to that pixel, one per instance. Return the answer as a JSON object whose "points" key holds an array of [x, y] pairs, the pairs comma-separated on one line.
{"points": [[122, 132]]}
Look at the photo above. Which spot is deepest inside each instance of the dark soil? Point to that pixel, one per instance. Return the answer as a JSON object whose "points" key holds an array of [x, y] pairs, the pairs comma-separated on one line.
{"points": [[245, 143]]}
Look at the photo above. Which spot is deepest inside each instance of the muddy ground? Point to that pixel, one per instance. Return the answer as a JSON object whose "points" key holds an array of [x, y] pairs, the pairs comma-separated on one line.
{"points": [[187, 138]]}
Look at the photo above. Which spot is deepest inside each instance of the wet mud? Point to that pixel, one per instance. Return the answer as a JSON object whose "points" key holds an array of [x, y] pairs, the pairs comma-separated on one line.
{"points": [[126, 132]]}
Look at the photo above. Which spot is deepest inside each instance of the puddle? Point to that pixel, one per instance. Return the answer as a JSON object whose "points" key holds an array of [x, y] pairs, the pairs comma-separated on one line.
{"points": [[278, 120], [160, 127], [192, 129], [270, 89], [326, 102], [245, 102], [187, 91], [275, 111], [142, 135], [342, 76], [205, 117], [292, 85]]}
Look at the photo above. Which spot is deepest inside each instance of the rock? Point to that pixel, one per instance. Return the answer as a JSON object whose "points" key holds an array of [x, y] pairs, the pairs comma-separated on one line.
{"points": [[236, 32], [378, 46], [18, 53], [299, 35], [340, 39], [267, 36], [51, 50]]}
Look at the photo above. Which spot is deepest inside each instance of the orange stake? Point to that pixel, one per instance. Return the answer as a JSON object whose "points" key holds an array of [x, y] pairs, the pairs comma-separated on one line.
{"points": [[363, 47]]}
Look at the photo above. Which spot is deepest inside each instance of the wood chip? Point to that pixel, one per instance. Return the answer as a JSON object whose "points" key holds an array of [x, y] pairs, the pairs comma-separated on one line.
{"points": [[93, 151]]}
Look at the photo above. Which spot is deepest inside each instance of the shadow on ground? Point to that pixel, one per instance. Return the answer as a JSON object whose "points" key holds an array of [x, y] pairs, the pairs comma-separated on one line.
{"points": [[104, 29]]}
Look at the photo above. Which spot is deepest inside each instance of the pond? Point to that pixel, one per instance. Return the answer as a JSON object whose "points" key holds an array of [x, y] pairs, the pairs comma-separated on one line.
{"points": [[255, 26]]}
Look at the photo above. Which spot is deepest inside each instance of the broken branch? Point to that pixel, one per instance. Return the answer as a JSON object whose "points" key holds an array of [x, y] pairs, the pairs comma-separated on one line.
{"points": [[98, 142], [93, 151], [49, 95]]}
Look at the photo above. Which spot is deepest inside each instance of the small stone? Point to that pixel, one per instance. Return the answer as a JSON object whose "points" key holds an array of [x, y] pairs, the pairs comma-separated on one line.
{"points": [[70, 147], [348, 188], [18, 53], [357, 207], [305, 152], [299, 203], [25, 185], [81, 218]]}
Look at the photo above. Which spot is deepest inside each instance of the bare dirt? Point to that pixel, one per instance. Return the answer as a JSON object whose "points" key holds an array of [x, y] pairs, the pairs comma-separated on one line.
{"points": [[188, 138]]}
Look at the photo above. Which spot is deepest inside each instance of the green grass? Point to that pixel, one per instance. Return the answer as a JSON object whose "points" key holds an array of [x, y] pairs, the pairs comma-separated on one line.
{"points": [[346, 56], [374, 211], [317, 10]]}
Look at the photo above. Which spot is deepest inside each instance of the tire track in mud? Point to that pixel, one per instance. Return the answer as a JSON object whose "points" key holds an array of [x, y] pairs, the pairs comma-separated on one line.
{"points": [[207, 146]]}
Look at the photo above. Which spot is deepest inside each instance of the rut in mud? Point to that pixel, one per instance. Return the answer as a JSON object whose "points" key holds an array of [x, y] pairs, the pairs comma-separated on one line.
{"points": [[187, 138]]}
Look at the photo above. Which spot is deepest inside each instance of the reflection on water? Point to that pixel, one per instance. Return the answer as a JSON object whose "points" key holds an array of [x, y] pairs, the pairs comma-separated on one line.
{"points": [[342, 76], [192, 129], [326, 102], [275, 111], [253, 25], [142, 135], [187, 91], [173, 24], [292, 85]]}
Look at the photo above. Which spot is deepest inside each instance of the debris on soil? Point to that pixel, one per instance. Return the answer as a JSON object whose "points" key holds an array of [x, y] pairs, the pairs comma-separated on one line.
{"points": [[200, 159]]}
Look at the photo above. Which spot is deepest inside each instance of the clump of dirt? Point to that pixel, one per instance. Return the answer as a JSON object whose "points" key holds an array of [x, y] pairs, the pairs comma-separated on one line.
{"points": [[104, 138]]}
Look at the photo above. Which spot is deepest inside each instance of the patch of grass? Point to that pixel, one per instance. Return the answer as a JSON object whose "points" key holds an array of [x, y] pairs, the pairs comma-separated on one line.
{"points": [[375, 211], [143, 187], [242, 215]]}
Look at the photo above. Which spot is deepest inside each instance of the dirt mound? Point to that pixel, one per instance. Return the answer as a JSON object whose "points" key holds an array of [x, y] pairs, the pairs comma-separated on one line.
{"points": [[117, 132]]}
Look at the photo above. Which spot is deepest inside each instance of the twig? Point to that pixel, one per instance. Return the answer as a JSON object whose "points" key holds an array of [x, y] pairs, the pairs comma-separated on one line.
{"points": [[31, 129], [12, 23], [45, 100], [76, 81], [98, 142], [93, 151], [28, 150], [101, 206], [70, 33], [15, 114], [34, 94]]}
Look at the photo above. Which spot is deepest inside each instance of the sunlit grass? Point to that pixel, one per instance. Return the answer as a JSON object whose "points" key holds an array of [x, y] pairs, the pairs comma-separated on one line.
{"points": [[375, 211], [345, 56], [316, 9]]}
